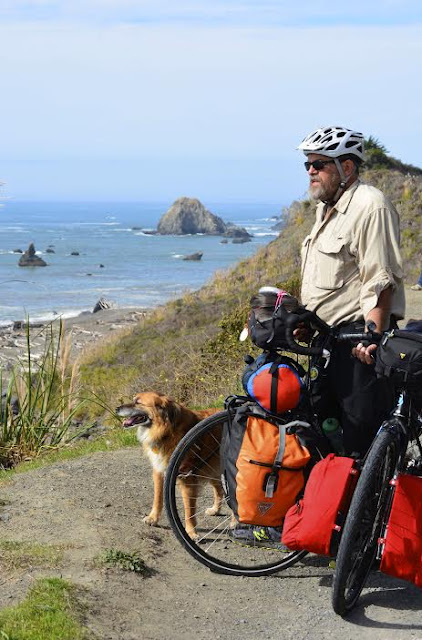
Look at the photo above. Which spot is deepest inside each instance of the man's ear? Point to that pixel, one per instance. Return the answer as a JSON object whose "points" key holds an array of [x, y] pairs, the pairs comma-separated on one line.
{"points": [[348, 167]]}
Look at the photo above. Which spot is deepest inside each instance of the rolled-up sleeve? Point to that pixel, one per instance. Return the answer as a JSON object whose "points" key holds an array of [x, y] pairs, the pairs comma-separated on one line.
{"points": [[378, 255]]}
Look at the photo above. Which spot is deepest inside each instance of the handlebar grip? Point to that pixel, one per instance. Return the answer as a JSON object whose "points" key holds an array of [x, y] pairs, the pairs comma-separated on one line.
{"points": [[371, 337], [292, 321]]}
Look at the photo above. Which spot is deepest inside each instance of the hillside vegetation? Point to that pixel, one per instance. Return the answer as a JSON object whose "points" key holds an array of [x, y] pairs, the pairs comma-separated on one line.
{"points": [[189, 347]]}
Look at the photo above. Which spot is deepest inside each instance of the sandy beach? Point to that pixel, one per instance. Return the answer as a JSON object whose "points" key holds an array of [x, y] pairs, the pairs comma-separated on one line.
{"points": [[85, 329]]}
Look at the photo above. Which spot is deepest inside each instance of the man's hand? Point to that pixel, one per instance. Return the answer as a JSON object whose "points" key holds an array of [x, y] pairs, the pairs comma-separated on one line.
{"points": [[302, 333], [365, 353], [377, 320]]}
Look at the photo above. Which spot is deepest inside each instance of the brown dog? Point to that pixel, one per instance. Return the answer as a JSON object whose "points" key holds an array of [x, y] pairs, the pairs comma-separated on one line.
{"points": [[161, 424]]}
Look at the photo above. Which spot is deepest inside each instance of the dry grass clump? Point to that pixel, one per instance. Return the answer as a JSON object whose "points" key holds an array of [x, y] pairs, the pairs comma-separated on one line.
{"points": [[40, 399]]}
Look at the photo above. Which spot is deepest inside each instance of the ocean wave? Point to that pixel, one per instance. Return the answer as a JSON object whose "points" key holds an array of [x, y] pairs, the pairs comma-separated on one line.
{"points": [[95, 224], [262, 234], [144, 233]]}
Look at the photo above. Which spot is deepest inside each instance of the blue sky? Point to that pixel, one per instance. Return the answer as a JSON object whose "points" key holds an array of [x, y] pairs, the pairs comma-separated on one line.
{"points": [[151, 100]]}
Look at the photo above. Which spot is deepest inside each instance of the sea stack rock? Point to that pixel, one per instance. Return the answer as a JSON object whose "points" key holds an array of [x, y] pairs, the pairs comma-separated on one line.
{"points": [[189, 216], [239, 235], [194, 256], [30, 259]]}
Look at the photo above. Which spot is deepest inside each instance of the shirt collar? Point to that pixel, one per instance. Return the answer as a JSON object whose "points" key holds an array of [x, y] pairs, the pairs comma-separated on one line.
{"points": [[344, 201]]}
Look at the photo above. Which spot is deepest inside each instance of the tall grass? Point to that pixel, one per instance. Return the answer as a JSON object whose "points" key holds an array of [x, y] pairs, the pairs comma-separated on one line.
{"points": [[39, 399]]}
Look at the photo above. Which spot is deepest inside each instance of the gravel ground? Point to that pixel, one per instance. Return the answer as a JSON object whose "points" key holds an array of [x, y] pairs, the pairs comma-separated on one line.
{"points": [[97, 503]]}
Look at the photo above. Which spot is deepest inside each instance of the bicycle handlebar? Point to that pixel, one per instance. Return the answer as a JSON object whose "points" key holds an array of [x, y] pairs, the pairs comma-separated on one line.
{"points": [[309, 318]]}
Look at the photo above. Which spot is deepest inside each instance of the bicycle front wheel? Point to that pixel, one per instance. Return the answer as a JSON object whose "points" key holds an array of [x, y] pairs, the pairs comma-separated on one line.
{"points": [[198, 512], [358, 544]]}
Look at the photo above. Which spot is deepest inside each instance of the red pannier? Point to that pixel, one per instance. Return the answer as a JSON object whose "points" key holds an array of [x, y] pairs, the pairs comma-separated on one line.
{"points": [[315, 522], [402, 552]]}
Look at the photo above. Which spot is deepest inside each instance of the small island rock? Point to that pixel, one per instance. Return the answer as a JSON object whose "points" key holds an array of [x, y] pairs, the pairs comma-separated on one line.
{"points": [[189, 216], [194, 256], [30, 259]]}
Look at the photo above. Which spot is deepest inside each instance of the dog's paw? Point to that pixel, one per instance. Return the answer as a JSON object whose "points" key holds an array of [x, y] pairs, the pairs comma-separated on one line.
{"points": [[193, 535], [212, 511], [151, 520]]}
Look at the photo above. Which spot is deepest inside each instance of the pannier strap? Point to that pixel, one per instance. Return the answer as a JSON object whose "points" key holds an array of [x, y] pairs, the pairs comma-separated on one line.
{"points": [[278, 360], [280, 467], [272, 479]]}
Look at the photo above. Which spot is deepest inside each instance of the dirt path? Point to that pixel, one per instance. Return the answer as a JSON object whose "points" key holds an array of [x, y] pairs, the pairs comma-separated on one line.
{"points": [[96, 503]]}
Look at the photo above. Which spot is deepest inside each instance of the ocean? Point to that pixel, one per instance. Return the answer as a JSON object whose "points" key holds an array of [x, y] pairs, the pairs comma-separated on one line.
{"points": [[117, 260]]}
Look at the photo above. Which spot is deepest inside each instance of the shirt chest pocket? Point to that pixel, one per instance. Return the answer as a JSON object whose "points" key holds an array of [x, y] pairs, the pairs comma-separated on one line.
{"points": [[330, 263]]}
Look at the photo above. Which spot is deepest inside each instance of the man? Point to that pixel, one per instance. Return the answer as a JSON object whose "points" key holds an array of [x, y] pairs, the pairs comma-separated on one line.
{"points": [[351, 275]]}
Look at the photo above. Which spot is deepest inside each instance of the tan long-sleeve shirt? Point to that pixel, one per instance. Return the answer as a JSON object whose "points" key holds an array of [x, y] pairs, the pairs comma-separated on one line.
{"points": [[348, 259]]}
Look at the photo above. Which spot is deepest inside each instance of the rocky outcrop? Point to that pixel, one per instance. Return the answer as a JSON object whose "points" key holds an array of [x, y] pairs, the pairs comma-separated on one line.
{"points": [[238, 234], [189, 216], [30, 259], [240, 240], [194, 256], [102, 304]]}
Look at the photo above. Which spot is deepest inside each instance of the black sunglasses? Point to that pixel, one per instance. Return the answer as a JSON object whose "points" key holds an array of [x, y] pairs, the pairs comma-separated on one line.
{"points": [[317, 164]]}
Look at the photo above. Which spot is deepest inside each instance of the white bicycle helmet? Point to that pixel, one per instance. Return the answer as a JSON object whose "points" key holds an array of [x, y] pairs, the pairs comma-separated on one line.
{"points": [[334, 142]]}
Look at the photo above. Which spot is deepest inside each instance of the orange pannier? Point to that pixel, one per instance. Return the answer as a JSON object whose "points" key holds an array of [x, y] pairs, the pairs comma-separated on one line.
{"points": [[263, 467]]}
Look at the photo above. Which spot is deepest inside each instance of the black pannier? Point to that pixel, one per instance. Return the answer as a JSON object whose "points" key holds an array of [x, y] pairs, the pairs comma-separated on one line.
{"points": [[266, 323]]}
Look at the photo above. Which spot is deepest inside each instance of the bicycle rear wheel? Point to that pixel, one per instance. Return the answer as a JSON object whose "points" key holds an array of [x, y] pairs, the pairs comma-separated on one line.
{"points": [[201, 519], [368, 508]]}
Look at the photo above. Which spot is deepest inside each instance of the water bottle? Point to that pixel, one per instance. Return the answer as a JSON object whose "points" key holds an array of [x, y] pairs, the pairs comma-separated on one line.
{"points": [[334, 433]]}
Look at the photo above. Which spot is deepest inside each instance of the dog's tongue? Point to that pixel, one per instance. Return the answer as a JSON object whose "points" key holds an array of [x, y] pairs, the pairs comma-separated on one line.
{"points": [[129, 422]]}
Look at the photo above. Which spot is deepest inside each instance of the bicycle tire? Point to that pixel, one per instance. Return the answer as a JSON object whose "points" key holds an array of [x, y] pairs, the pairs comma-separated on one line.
{"points": [[368, 509], [198, 450]]}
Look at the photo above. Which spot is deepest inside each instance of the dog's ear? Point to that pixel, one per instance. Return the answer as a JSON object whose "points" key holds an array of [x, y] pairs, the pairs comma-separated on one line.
{"points": [[171, 411]]}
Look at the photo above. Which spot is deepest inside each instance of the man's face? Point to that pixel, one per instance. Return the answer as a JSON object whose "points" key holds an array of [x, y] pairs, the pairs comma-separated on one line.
{"points": [[324, 183]]}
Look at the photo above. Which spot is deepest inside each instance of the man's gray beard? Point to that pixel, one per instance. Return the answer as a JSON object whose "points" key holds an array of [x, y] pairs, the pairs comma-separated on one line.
{"points": [[316, 194], [325, 193]]}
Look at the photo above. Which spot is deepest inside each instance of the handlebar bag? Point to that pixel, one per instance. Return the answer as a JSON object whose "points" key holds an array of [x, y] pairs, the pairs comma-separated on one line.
{"points": [[274, 382], [402, 542], [266, 322], [315, 522], [399, 356], [263, 466]]}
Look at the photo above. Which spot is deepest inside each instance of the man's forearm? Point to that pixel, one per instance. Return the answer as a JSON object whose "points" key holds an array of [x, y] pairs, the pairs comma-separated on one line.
{"points": [[381, 313]]}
